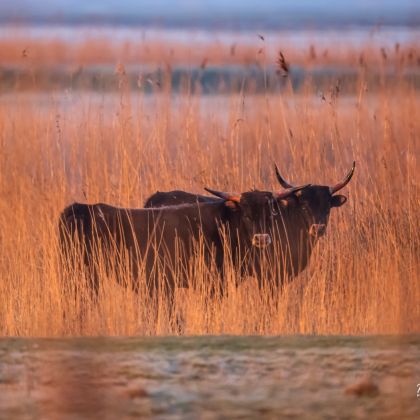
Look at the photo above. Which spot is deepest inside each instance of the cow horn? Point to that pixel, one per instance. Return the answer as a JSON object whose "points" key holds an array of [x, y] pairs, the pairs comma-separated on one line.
{"points": [[346, 180], [290, 191], [281, 180], [224, 195]]}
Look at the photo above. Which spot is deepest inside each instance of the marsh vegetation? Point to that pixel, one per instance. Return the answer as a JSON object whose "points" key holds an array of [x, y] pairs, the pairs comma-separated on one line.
{"points": [[61, 143]]}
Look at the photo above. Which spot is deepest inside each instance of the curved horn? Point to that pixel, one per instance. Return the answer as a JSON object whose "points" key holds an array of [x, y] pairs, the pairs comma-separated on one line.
{"points": [[343, 183], [281, 180], [224, 195], [290, 191]]}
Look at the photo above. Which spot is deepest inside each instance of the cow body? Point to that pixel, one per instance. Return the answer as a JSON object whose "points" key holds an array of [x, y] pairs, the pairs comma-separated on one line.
{"points": [[176, 197], [157, 240]]}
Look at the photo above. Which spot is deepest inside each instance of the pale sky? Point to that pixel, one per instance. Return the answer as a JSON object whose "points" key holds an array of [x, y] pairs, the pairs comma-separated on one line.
{"points": [[264, 13]]}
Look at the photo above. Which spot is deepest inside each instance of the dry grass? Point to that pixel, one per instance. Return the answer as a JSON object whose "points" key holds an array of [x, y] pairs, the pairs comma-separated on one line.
{"points": [[362, 279], [19, 48]]}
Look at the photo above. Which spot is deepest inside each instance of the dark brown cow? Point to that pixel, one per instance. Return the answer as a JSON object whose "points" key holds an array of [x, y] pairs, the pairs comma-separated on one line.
{"points": [[163, 241], [305, 218]]}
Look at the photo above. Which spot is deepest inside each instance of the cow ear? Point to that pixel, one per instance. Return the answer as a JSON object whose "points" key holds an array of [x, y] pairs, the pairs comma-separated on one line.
{"points": [[232, 204], [338, 200]]}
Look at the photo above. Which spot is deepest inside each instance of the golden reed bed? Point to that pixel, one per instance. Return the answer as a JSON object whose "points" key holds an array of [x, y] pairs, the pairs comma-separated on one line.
{"points": [[20, 48], [61, 147]]}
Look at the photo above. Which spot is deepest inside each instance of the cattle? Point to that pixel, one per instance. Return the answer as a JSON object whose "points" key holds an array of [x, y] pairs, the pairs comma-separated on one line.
{"points": [[163, 241]]}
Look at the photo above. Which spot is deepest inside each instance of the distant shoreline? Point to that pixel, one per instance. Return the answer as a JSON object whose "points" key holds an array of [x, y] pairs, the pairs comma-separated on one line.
{"points": [[209, 81]]}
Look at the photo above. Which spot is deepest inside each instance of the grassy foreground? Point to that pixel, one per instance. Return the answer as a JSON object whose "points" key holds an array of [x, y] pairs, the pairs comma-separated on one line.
{"points": [[57, 148]]}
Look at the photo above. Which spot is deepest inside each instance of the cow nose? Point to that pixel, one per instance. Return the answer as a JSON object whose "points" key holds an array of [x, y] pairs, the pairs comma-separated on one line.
{"points": [[317, 230], [261, 240]]}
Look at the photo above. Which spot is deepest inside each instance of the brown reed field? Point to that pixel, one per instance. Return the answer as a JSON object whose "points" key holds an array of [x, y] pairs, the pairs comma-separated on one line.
{"points": [[62, 146], [99, 50]]}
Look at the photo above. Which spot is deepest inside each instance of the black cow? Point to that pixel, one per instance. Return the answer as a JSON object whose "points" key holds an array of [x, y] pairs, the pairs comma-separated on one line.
{"points": [[304, 217], [162, 241]]}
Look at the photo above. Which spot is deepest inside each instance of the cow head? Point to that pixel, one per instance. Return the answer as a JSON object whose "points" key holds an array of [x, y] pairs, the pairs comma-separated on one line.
{"points": [[314, 203], [257, 212]]}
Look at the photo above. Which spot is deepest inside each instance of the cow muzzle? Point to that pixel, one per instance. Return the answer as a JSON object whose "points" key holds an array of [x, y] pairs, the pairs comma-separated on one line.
{"points": [[261, 240], [317, 230]]}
